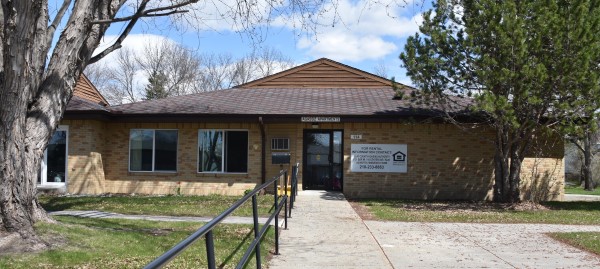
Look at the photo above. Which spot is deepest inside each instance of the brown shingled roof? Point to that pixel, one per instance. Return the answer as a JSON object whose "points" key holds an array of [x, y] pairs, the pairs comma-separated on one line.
{"points": [[352, 93], [271, 101], [81, 104]]}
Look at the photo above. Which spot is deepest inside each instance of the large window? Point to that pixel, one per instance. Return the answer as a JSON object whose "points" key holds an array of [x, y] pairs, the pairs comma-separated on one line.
{"points": [[222, 151], [152, 150]]}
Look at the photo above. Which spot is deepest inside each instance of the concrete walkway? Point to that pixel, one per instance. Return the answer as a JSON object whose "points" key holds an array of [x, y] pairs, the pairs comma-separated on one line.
{"points": [[581, 197], [467, 245], [325, 232], [109, 215]]}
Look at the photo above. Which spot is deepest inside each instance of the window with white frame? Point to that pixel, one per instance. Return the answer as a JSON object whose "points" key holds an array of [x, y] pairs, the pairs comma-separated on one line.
{"points": [[153, 150], [280, 144], [222, 151]]}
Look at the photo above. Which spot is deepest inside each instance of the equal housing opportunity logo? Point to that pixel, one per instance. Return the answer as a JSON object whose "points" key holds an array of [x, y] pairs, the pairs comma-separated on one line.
{"points": [[399, 157]]}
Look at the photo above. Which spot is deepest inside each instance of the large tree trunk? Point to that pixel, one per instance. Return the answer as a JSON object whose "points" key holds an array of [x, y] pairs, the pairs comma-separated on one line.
{"points": [[19, 77], [587, 161], [34, 95], [508, 159]]}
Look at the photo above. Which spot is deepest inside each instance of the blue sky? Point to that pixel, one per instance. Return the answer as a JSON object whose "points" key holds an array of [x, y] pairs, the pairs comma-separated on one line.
{"points": [[363, 34]]}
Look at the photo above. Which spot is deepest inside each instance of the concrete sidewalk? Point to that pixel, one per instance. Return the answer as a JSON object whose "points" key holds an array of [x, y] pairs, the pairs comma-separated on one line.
{"points": [[476, 245], [325, 232], [109, 215], [581, 197]]}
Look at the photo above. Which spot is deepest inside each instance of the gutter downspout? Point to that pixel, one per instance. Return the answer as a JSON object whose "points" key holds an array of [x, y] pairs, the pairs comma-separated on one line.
{"points": [[263, 151]]}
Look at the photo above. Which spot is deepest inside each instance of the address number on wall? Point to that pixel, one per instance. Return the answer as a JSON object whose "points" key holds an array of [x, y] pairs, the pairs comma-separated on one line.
{"points": [[356, 136]]}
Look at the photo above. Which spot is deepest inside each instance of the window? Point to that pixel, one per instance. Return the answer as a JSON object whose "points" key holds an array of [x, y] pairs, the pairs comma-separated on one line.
{"points": [[53, 169], [222, 151], [280, 144], [152, 150]]}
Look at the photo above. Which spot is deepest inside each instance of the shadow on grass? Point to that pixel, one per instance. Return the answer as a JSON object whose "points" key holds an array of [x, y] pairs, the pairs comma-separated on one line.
{"points": [[579, 205]]}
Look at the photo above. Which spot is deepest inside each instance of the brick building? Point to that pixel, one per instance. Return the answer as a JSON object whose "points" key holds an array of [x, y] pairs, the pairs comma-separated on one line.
{"points": [[342, 125]]}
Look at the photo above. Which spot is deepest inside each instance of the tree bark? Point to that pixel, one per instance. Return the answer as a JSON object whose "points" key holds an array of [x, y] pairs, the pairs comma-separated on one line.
{"points": [[34, 96], [587, 161], [508, 159]]}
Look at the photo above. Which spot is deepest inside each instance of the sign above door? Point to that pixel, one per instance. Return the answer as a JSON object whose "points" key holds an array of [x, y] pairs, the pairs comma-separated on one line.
{"points": [[320, 119]]}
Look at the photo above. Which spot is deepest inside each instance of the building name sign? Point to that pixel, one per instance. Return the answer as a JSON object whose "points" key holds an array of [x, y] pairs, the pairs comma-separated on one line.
{"points": [[320, 119], [379, 158]]}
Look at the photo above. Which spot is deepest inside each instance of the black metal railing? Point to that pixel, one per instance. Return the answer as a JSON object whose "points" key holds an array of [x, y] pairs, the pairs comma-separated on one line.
{"points": [[206, 231], [294, 188]]}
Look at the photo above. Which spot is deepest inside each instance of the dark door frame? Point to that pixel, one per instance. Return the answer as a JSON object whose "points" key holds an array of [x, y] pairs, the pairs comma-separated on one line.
{"points": [[331, 152]]}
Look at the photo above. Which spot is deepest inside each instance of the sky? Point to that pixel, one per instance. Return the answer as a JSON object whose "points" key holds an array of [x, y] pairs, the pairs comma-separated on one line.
{"points": [[359, 33]]}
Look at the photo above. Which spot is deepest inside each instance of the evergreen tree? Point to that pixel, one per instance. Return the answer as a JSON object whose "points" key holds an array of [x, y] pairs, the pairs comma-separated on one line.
{"points": [[530, 66], [156, 86]]}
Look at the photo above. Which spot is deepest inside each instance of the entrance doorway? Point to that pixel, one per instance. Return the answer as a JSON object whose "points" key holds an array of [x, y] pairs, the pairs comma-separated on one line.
{"points": [[323, 160], [53, 170]]}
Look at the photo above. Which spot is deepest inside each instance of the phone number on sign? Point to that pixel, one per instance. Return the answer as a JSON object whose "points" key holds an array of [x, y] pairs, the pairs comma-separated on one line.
{"points": [[368, 166]]}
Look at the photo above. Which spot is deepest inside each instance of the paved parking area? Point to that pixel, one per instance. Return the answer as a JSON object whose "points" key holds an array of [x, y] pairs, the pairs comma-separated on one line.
{"points": [[464, 245]]}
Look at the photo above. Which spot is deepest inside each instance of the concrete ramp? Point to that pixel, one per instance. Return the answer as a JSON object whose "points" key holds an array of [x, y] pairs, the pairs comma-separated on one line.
{"points": [[325, 232]]}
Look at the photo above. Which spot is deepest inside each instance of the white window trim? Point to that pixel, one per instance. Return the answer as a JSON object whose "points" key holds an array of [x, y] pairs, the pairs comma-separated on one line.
{"points": [[44, 167], [223, 152], [153, 151]]}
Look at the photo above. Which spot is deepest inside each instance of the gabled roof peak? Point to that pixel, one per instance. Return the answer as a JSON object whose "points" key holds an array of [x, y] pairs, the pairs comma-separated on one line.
{"points": [[321, 73]]}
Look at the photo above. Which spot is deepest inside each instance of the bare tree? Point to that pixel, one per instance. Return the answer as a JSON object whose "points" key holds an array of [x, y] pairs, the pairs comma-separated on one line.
{"points": [[381, 70], [586, 142], [258, 64], [39, 70], [180, 65], [122, 87], [216, 72], [270, 61]]}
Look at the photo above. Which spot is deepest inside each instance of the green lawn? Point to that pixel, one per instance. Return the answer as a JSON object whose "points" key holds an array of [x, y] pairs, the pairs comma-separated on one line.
{"points": [[580, 190], [481, 212], [197, 206], [118, 243], [589, 241]]}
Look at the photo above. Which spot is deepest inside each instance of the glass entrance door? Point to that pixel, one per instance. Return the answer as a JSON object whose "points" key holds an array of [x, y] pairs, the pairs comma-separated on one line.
{"points": [[54, 163], [323, 159]]}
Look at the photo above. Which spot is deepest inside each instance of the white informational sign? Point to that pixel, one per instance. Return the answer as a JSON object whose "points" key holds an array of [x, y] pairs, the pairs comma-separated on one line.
{"points": [[379, 158], [320, 119]]}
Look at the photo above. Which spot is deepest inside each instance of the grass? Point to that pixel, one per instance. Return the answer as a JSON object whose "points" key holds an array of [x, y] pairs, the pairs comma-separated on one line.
{"points": [[585, 213], [111, 243], [580, 190], [589, 241], [196, 206]]}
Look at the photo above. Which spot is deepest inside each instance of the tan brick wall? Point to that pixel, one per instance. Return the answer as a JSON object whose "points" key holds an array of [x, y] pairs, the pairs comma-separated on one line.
{"points": [[444, 162], [85, 160], [543, 171], [119, 180]]}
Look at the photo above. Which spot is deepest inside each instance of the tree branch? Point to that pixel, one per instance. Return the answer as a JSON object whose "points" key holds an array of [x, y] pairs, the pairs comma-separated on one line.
{"points": [[124, 34], [148, 13], [141, 12], [143, 16], [56, 21]]}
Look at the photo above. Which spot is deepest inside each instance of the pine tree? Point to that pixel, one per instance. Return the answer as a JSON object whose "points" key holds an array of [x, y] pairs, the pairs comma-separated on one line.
{"points": [[156, 86], [531, 67]]}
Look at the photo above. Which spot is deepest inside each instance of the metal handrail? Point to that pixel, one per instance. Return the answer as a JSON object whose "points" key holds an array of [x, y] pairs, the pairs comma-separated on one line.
{"points": [[206, 230]]}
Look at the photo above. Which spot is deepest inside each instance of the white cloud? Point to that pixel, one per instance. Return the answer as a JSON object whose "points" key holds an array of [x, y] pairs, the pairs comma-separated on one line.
{"points": [[346, 46], [356, 30], [230, 15], [133, 42]]}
